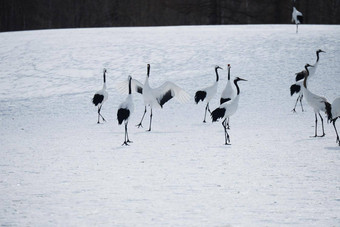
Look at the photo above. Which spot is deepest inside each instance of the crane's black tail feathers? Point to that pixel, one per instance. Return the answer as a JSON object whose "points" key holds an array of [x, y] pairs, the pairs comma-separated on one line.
{"points": [[122, 115], [294, 89], [329, 111], [200, 96], [300, 75], [300, 18], [222, 100], [217, 114], [97, 98]]}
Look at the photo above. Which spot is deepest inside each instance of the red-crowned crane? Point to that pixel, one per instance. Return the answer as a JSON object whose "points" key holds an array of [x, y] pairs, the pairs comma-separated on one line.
{"points": [[297, 17], [227, 109], [318, 103], [157, 97], [124, 112], [100, 97], [227, 94], [333, 113], [296, 88], [207, 93]]}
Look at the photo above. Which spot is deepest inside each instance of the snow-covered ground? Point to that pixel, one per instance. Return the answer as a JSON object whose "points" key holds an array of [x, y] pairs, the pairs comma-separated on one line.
{"points": [[59, 168]]}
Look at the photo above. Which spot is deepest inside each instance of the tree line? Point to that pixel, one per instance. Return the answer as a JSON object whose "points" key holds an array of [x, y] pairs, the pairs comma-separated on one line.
{"points": [[50, 14]]}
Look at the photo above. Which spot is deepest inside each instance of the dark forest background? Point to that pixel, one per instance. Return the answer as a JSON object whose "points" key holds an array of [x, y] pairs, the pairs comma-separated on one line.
{"points": [[46, 14]]}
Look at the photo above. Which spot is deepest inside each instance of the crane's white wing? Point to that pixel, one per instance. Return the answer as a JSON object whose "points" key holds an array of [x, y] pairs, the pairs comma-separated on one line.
{"points": [[136, 86], [168, 91]]}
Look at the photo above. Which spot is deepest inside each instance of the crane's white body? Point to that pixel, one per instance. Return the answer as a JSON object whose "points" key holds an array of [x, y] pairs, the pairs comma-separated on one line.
{"points": [[153, 96], [230, 107], [295, 15], [228, 92], [127, 104], [149, 95], [157, 97], [211, 92], [207, 93], [315, 101], [104, 93]]}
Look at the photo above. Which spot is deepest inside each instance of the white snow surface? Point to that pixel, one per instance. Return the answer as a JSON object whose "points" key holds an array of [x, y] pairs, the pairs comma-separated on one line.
{"points": [[58, 167]]}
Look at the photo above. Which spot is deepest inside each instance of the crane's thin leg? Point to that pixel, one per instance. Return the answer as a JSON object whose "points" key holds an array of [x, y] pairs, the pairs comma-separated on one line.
{"points": [[140, 124], [301, 97], [316, 125], [226, 123], [337, 135], [228, 139], [127, 134], [125, 140], [205, 113], [293, 110], [297, 25], [225, 131], [99, 114], [208, 108], [150, 120], [226, 135], [223, 123], [323, 130]]}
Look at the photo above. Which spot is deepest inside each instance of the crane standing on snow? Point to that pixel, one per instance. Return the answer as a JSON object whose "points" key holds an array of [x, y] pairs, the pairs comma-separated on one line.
{"points": [[297, 17], [318, 103], [227, 95], [296, 88], [124, 112], [100, 97], [157, 97], [227, 109], [208, 93]]}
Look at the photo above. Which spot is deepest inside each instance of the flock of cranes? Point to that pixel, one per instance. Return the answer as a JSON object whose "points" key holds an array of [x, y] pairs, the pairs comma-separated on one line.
{"points": [[157, 97], [318, 103], [153, 97], [229, 99]]}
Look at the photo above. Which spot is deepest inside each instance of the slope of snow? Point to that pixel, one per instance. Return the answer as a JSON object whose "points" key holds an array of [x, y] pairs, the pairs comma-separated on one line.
{"points": [[58, 167]]}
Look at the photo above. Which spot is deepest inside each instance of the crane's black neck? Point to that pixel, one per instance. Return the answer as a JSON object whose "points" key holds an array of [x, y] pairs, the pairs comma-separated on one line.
{"points": [[216, 74], [317, 56], [104, 77], [228, 73], [237, 87], [306, 76], [148, 71], [130, 86]]}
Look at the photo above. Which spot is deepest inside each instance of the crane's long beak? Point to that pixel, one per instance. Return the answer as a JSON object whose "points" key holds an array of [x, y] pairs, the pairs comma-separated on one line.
{"points": [[243, 79]]}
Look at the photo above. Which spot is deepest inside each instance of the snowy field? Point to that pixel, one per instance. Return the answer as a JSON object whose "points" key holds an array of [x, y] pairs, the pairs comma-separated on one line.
{"points": [[58, 167]]}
